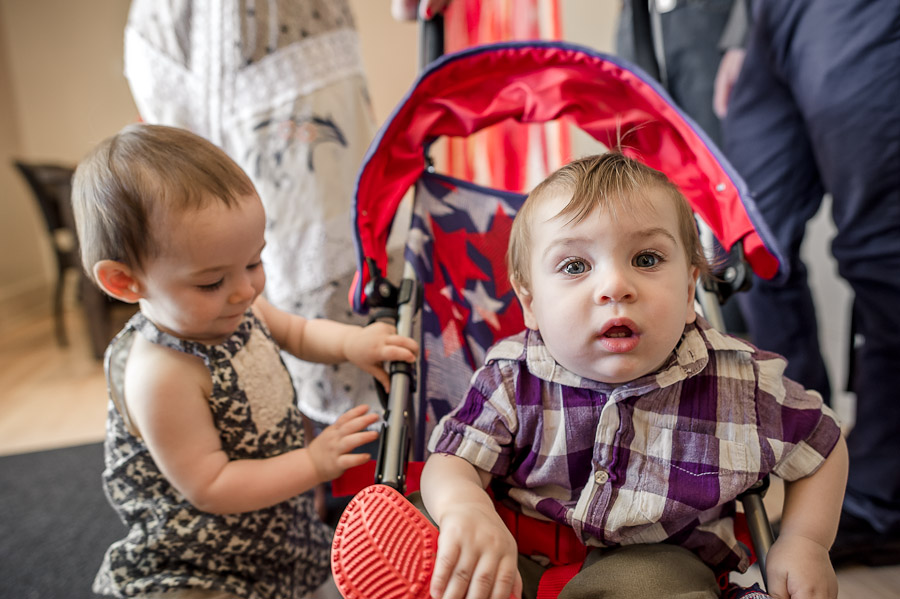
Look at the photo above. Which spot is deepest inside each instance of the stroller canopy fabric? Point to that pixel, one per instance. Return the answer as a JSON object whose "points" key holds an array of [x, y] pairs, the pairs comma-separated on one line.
{"points": [[535, 82]]}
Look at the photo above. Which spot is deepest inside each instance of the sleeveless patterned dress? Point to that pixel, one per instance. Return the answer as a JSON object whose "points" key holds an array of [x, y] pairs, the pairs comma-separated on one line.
{"points": [[278, 552]]}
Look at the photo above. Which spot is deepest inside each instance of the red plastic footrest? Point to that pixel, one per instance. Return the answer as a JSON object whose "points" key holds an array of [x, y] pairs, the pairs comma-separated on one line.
{"points": [[383, 547]]}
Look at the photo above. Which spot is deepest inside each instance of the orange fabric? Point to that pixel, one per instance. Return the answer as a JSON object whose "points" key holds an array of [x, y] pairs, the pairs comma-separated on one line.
{"points": [[508, 156]]}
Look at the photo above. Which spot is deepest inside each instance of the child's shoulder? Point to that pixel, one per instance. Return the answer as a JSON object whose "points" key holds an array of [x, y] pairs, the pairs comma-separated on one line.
{"points": [[153, 369]]}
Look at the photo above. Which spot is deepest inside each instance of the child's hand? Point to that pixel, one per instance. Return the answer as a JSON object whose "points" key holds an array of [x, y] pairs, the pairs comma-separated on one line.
{"points": [[799, 568], [376, 344], [477, 556], [330, 450]]}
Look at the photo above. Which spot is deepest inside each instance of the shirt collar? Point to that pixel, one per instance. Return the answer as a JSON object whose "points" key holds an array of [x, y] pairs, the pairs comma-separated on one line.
{"points": [[689, 358]]}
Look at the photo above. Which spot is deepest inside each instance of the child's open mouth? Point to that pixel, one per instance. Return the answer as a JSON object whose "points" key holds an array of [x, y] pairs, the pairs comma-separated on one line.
{"points": [[618, 332], [619, 336]]}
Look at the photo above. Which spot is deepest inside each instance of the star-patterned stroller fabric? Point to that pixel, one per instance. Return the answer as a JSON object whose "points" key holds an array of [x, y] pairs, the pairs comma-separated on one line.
{"points": [[457, 246]]}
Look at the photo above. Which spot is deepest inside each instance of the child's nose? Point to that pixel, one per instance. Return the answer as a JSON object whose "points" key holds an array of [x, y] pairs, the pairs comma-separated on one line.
{"points": [[613, 285], [244, 291]]}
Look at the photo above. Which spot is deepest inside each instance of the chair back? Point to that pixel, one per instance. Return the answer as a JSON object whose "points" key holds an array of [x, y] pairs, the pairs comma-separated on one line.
{"points": [[51, 185]]}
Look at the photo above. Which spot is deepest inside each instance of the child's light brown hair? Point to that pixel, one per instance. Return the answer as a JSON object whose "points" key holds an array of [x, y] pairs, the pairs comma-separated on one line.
{"points": [[608, 182], [143, 173]]}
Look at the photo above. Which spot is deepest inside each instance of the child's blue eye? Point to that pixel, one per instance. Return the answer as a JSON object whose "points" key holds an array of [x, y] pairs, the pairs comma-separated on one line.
{"points": [[647, 260], [212, 286], [575, 267]]}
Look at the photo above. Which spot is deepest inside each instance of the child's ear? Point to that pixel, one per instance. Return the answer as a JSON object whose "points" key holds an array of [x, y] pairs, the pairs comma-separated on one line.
{"points": [[118, 280], [527, 301]]}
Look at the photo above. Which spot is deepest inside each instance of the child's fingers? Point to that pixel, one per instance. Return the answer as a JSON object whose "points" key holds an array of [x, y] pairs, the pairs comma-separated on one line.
{"points": [[381, 376], [518, 585], [458, 585], [352, 441], [507, 581], [351, 460], [353, 412], [776, 586], [358, 420], [404, 342], [485, 582], [444, 564], [395, 353], [362, 421]]}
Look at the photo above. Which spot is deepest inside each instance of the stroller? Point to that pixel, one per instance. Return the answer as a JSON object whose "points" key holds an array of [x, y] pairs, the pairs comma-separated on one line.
{"points": [[455, 270]]}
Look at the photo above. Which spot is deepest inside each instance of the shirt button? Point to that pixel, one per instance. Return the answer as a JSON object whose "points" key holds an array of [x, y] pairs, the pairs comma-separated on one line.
{"points": [[601, 476]]}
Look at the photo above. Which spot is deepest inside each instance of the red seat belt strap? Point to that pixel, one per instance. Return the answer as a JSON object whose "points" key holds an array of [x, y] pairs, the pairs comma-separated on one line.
{"points": [[554, 579], [558, 543]]}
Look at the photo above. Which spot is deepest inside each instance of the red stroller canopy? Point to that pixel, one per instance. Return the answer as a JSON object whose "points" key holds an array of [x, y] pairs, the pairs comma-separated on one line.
{"points": [[536, 82]]}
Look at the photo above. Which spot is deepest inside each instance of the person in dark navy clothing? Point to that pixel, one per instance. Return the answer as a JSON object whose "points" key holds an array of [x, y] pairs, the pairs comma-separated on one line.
{"points": [[815, 110]]}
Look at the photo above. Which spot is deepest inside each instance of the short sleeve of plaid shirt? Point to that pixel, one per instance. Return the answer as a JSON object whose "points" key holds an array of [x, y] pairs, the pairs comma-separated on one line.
{"points": [[482, 429]]}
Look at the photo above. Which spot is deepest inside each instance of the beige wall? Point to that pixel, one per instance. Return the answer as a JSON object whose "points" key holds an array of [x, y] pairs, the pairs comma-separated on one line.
{"points": [[62, 91], [19, 224]]}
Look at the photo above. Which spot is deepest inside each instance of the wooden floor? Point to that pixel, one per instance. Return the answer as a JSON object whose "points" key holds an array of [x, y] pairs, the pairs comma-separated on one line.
{"points": [[53, 396]]}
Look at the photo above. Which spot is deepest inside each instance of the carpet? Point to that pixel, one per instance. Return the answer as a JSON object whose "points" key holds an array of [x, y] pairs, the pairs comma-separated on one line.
{"points": [[55, 523]]}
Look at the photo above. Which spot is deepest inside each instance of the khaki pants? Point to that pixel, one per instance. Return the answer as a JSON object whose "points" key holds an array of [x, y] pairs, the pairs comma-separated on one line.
{"points": [[627, 572]]}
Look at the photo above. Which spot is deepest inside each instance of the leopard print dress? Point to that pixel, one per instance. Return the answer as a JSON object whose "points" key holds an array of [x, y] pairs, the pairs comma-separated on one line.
{"points": [[278, 552]]}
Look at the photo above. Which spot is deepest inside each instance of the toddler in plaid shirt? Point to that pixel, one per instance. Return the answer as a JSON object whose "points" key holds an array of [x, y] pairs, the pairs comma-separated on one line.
{"points": [[622, 416]]}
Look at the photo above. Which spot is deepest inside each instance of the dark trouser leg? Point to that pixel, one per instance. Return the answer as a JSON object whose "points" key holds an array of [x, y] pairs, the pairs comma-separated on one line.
{"points": [[690, 36], [782, 318], [856, 130], [766, 140], [831, 61]]}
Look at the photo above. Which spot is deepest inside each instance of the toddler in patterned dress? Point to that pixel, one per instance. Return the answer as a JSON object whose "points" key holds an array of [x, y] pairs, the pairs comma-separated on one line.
{"points": [[619, 424], [205, 459]]}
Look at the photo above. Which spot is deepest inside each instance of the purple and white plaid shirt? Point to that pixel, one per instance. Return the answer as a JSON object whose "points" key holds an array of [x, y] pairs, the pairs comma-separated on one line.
{"points": [[659, 459]]}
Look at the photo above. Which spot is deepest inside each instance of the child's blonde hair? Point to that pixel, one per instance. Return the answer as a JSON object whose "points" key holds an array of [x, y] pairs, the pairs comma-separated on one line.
{"points": [[142, 172], [608, 182]]}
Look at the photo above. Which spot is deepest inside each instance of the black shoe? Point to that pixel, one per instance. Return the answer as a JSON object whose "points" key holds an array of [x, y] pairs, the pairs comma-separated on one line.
{"points": [[858, 543]]}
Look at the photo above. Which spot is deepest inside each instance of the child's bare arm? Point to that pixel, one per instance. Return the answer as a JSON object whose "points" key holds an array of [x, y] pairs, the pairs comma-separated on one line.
{"points": [[798, 565], [477, 556], [166, 394], [330, 342]]}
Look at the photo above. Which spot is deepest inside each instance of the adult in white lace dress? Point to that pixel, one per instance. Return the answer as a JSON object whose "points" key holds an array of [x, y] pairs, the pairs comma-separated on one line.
{"points": [[279, 85]]}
